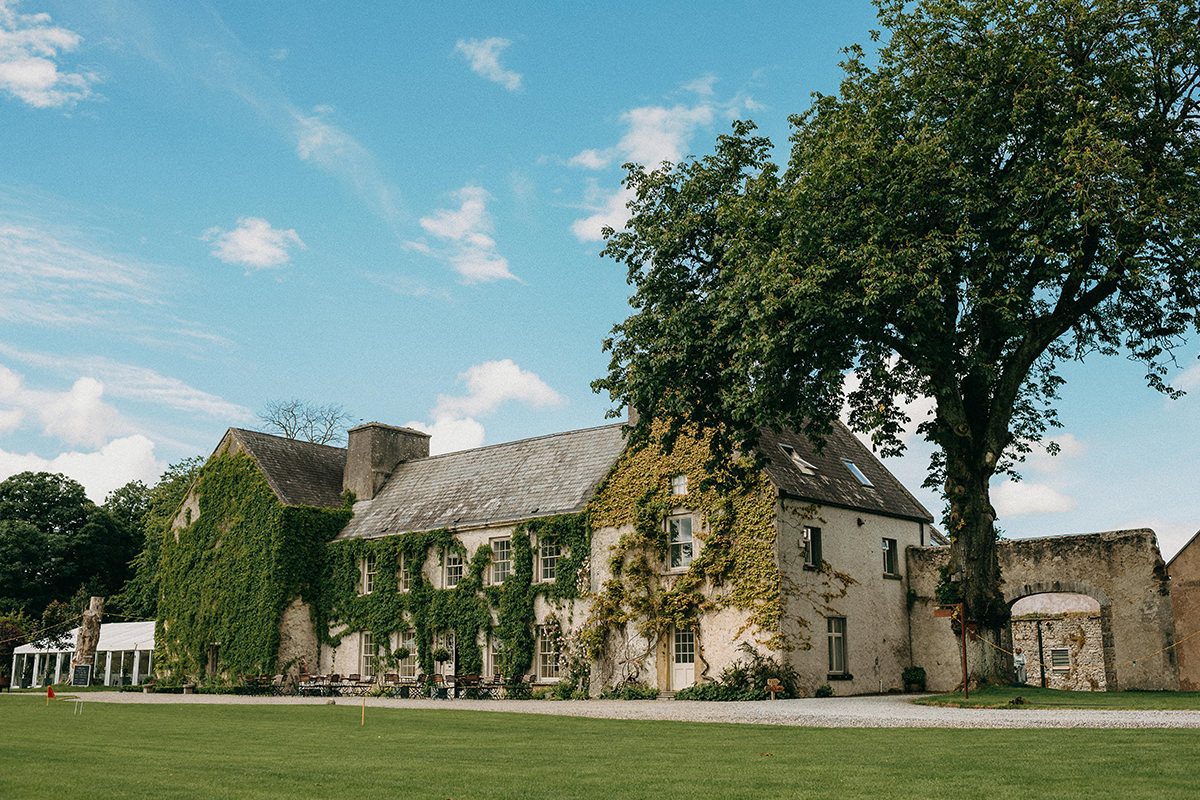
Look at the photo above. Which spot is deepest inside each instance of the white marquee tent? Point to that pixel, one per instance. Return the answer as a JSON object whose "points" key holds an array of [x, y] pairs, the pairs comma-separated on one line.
{"points": [[123, 657]]}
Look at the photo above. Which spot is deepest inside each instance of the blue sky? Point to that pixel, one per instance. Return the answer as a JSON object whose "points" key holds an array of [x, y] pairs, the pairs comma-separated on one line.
{"points": [[396, 207]]}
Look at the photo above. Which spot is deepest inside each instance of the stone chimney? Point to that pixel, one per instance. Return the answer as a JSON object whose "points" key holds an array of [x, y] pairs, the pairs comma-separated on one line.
{"points": [[374, 452]]}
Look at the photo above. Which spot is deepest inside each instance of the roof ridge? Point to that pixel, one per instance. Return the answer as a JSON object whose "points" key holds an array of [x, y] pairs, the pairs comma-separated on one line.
{"points": [[301, 442], [515, 442]]}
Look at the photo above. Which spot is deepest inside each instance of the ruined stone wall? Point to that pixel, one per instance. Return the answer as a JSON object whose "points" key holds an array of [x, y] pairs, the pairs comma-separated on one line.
{"points": [[1122, 570], [1078, 634]]}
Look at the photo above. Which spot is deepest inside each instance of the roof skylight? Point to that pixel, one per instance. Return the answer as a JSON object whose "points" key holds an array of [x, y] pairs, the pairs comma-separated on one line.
{"points": [[804, 466], [858, 473]]}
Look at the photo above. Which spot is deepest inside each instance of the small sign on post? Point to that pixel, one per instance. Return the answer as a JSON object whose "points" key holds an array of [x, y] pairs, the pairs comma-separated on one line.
{"points": [[774, 686], [81, 675]]}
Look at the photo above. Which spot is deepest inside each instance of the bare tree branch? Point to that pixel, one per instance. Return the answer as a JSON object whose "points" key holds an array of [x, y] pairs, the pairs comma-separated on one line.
{"points": [[320, 423]]}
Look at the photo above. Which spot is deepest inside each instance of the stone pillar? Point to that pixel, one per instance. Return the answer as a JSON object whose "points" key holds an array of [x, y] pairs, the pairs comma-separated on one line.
{"points": [[89, 633], [1110, 652]]}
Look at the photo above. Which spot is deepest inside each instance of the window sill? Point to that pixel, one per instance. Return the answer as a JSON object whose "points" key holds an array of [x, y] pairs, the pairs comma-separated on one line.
{"points": [[892, 576], [839, 676]]}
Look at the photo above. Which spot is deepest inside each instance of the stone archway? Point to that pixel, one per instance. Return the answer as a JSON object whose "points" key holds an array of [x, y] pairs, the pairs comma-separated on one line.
{"points": [[1122, 570], [1066, 640]]}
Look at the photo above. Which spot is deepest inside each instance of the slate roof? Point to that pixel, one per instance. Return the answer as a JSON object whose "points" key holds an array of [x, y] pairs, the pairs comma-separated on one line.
{"points": [[300, 473], [832, 483], [554, 474]]}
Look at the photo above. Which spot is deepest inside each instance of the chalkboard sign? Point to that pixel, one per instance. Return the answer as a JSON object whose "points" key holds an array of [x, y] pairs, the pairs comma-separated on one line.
{"points": [[81, 675]]}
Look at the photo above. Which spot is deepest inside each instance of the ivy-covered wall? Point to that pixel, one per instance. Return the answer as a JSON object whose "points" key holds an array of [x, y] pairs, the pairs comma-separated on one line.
{"points": [[228, 573], [473, 610]]}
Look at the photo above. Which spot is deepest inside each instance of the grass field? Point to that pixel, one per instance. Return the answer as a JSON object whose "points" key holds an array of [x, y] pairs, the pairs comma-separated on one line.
{"points": [[161, 751], [1037, 697]]}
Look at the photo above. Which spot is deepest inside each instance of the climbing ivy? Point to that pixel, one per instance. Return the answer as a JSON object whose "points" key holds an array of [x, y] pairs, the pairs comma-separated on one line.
{"points": [[227, 575], [466, 609], [736, 566]]}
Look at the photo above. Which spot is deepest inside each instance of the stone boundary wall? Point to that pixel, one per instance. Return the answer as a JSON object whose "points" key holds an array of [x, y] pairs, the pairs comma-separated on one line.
{"points": [[1122, 570]]}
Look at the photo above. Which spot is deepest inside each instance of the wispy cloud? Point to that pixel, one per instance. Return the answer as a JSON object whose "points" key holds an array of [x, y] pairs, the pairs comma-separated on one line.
{"points": [[30, 47], [101, 471], [48, 277], [653, 135], [483, 55], [128, 381], [254, 243], [489, 386], [467, 230], [1012, 498]]}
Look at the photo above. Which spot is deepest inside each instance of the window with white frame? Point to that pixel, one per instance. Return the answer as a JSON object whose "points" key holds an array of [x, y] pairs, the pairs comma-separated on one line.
{"points": [[812, 547], [496, 657], [682, 545], [801, 464], [408, 665], [454, 568], [370, 651], [403, 577], [856, 472], [501, 559], [679, 485], [836, 627], [891, 562], [547, 658], [548, 555], [366, 566], [1060, 659]]}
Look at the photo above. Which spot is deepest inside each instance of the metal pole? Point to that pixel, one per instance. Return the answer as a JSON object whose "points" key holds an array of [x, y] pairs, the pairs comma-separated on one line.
{"points": [[1041, 657]]}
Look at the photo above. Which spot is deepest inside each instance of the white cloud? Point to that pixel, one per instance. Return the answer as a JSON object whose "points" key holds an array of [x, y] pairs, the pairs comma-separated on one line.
{"points": [[611, 212], [80, 416], [1172, 535], [29, 49], [592, 159], [1188, 380], [489, 386], [108, 468], [467, 230], [450, 434], [493, 383], [125, 381], [1012, 498], [484, 57], [254, 243]]}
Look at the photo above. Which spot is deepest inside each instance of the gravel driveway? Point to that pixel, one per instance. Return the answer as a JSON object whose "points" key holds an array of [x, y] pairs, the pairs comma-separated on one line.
{"points": [[888, 711]]}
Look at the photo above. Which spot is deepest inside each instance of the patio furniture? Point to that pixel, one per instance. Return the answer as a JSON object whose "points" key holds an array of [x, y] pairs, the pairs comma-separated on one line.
{"points": [[466, 686]]}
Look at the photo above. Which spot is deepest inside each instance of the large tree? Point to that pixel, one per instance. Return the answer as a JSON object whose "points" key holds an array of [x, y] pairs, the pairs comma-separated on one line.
{"points": [[1011, 184]]}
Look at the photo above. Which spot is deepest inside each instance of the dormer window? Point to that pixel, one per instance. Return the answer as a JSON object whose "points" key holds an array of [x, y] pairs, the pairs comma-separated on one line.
{"points": [[804, 466], [679, 485], [856, 472]]}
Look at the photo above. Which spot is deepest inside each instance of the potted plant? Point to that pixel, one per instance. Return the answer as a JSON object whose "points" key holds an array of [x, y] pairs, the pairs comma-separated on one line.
{"points": [[914, 679], [441, 655]]}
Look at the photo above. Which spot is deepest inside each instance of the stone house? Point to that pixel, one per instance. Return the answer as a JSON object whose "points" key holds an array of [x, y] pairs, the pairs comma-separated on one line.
{"points": [[565, 557], [1184, 570]]}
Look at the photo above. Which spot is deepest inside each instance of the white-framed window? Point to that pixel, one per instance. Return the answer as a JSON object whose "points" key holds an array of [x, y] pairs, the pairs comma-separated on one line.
{"points": [[547, 654], [403, 576], [856, 472], [679, 485], [891, 559], [549, 553], [496, 657], [370, 651], [812, 547], [1060, 659], [408, 666], [836, 627], [366, 566], [501, 559], [682, 544], [454, 568]]}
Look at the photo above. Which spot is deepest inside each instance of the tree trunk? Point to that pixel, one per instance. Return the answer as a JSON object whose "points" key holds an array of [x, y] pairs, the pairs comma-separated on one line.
{"points": [[89, 633], [975, 568]]}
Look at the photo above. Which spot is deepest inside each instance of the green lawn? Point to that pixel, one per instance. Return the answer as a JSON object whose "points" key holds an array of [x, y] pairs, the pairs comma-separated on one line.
{"points": [[160, 751], [1037, 697]]}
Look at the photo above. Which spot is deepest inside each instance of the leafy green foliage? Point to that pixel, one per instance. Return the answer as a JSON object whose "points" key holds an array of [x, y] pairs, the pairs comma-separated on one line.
{"points": [[139, 596], [54, 543], [746, 679], [1010, 186], [227, 575], [465, 609]]}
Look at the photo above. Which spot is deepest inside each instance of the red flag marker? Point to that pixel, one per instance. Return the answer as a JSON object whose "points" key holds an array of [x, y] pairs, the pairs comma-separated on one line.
{"points": [[49, 694]]}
